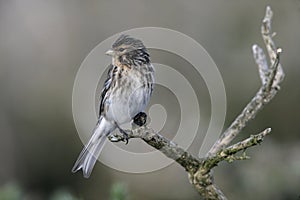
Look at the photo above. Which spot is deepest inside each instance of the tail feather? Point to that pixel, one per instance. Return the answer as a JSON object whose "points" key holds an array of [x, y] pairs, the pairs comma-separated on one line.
{"points": [[90, 153]]}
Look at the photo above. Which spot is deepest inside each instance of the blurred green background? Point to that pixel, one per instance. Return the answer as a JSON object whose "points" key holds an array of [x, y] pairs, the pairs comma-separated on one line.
{"points": [[42, 44]]}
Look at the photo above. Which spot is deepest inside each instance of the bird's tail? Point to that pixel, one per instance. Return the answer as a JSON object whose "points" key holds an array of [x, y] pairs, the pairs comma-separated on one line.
{"points": [[88, 156]]}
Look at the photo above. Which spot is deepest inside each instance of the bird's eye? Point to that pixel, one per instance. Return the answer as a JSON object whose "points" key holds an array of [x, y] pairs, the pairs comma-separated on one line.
{"points": [[121, 49]]}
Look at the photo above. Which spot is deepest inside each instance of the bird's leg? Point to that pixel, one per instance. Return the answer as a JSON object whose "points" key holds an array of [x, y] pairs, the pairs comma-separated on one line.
{"points": [[140, 119], [125, 135]]}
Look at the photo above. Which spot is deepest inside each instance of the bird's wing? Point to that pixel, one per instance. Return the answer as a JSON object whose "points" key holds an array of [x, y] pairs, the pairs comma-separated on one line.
{"points": [[106, 88]]}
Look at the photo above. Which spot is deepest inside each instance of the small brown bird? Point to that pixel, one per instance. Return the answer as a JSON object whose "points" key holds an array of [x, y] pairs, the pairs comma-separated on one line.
{"points": [[126, 93]]}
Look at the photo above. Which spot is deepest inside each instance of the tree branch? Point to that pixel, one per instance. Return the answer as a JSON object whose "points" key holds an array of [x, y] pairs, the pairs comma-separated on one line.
{"points": [[167, 147], [200, 170], [270, 77], [228, 153]]}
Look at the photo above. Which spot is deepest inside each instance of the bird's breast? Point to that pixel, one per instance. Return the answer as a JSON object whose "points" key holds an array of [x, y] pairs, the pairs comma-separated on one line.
{"points": [[130, 95]]}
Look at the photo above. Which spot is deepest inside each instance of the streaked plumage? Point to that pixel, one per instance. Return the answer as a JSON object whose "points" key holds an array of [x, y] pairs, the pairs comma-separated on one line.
{"points": [[126, 93]]}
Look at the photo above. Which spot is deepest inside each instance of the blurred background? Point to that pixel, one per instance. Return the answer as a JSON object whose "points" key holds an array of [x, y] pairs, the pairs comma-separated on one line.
{"points": [[42, 44]]}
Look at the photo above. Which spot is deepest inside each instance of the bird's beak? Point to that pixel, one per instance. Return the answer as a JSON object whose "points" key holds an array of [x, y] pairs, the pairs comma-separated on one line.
{"points": [[110, 52]]}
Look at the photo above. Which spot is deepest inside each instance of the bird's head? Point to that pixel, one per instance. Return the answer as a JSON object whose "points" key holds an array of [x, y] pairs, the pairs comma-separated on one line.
{"points": [[128, 50]]}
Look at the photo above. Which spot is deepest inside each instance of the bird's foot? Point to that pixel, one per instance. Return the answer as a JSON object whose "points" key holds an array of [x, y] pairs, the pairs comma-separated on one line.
{"points": [[125, 135], [140, 119]]}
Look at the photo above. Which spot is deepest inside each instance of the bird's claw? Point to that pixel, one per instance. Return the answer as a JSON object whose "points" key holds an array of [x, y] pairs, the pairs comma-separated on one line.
{"points": [[125, 135], [113, 138]]}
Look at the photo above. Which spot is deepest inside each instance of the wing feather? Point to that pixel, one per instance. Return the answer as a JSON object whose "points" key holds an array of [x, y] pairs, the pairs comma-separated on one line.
{"points": [[106, 88]]}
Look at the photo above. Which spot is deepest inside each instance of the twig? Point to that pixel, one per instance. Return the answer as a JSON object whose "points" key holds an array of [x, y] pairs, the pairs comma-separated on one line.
{"points": [[228, 153], [267, 35]]}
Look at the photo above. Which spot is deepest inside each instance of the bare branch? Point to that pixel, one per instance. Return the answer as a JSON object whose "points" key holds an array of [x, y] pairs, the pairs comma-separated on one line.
{"points": [[261, 61], [267, 35], [228, 153], [203, 178], [270, 76], [167, 147], [198, 169]]}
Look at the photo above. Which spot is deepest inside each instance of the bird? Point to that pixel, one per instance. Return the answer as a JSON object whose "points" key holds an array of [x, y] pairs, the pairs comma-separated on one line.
{"points": [[125, 95]]}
